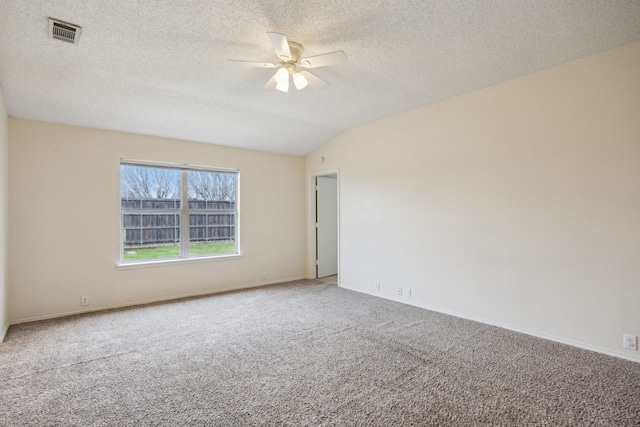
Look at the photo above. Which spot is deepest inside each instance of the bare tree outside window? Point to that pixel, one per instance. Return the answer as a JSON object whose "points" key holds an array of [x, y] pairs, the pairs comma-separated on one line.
{"points": [[139, 182], [212, 186]]}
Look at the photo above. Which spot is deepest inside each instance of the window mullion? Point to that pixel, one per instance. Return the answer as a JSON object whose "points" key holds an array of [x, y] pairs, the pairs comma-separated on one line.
{"points": [[185, 231]]}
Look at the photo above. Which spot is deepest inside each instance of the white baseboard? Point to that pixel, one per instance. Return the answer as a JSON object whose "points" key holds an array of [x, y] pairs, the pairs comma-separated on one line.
{"points": [[4, 332], [560, 340], [149, 301]]}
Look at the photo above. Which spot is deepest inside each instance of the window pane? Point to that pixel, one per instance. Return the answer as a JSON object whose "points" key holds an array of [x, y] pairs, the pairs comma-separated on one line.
{"points": [[149, 236], [211, 190], [212, 233], [212, 212], [153, 231], [143, 187]]}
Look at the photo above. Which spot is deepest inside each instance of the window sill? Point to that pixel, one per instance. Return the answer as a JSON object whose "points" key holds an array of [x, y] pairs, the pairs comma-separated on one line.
{"points": [[165, 262]]}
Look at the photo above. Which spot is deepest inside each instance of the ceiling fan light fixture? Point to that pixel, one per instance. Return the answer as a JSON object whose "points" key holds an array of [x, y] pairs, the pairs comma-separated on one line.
{"points": [[282, 80], [282, 75], [283, 87], [299, 81]]}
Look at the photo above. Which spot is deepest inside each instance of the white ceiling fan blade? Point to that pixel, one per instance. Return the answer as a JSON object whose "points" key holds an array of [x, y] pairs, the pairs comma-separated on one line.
{"points": [[271, 84], [280, 45], [315, 81], [331, 58], [253, 63]]}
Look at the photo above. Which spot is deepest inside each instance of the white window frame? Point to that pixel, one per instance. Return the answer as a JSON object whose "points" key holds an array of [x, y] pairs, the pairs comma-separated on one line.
{"points": [[184, 216]]}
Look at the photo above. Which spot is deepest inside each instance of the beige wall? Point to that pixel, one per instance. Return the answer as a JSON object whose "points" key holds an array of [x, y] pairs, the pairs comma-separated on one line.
{"points": [[518, 205], [4, 217], [64, 210]]}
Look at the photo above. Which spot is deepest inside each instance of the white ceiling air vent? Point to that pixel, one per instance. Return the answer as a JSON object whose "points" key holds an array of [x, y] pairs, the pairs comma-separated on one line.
{"points": [[64, 31]]}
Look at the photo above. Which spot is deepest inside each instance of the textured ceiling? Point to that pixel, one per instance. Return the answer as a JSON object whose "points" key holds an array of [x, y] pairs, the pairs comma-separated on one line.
{"points": [[158, 67]]}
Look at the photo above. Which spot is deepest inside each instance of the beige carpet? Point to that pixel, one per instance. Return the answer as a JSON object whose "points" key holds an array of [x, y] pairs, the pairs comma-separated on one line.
{"points": [[302, 354]]}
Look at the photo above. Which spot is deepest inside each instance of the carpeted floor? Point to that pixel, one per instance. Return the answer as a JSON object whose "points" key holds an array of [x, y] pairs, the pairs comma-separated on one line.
{"points": [[303, 353]]}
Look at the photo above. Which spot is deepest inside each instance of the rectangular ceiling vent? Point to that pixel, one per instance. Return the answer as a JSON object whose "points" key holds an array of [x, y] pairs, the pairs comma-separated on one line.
{"points": [[64, 31]]}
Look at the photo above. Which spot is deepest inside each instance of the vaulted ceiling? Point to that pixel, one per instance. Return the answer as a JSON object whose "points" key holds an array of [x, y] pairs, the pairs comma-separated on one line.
{"points": [[159, 67]]}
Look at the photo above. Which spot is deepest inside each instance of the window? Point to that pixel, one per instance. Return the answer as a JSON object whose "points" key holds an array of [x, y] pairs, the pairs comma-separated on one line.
{"points": [[159, 204]]}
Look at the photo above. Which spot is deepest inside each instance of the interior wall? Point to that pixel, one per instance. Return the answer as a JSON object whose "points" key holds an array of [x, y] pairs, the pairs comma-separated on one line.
{"points": [[517, 205], [4, 217], [64, 219]]}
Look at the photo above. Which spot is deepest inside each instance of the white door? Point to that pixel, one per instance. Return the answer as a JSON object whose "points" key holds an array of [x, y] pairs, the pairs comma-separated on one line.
{"points": [[327, 226]]}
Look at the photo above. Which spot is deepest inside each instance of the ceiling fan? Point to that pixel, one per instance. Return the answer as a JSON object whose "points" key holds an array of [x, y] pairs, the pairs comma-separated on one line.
{"points": [[290, 61]]}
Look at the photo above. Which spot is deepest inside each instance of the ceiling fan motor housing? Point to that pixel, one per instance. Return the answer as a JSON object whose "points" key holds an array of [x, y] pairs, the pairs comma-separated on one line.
{"points": [[296, 51]]}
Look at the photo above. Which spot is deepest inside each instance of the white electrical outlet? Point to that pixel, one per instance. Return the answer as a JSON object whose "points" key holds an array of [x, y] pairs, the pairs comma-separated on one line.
{"points": [[407, 292], [630, 341], [264, 276], [399, 291], [377, 286], [84, 300]]}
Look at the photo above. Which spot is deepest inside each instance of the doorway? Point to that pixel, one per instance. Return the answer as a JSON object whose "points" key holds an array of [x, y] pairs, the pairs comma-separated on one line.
{"points": [[325, 226]]}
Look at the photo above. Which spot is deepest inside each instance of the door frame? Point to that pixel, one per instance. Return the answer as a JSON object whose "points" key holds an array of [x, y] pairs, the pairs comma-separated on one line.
{"points": [[311, 220]]}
